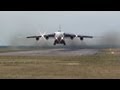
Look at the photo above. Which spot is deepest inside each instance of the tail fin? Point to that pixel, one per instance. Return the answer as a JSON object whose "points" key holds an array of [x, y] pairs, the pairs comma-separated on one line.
{"points": [[59, 28]]}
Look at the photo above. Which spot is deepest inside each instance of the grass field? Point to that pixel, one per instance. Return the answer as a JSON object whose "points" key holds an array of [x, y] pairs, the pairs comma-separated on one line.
{"points": [[98, 66]]}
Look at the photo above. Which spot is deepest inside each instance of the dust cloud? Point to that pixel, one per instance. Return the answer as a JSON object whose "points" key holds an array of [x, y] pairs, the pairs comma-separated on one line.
{"points": [[109, 39]]}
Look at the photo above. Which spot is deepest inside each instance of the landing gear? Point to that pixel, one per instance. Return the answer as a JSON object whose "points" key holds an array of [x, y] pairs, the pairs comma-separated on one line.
{"points": [[64, 43], [56, 42]]}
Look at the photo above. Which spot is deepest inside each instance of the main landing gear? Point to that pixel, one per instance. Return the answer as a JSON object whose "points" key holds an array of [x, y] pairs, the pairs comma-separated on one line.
{"points": [[56, 42]]}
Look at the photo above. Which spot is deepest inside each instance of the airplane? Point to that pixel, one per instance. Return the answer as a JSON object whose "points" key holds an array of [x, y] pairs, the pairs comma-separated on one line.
{"points": [[59, 37]]}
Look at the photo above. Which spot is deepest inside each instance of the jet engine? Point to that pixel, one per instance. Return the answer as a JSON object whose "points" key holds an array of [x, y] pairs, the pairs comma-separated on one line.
{"points": [[37, 38], [81, 38], [71, 38], [47, 38]]}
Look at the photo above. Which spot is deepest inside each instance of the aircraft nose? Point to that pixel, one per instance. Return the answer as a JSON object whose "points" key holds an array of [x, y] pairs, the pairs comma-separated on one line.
{"points": [[59, 38]]}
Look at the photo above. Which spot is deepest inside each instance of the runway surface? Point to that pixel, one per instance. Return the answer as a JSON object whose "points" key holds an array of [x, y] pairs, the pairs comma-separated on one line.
{"points": [[52, 52]]}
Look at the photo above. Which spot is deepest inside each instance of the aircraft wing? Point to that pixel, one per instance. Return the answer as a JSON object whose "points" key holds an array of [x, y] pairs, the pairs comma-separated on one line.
{"points": [[46, 35], [34, 36], [82, 36], [49, 35], [69, 35]]}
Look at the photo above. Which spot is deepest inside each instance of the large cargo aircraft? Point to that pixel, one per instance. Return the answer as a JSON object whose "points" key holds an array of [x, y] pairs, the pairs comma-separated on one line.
{"points": [[60, 36]]}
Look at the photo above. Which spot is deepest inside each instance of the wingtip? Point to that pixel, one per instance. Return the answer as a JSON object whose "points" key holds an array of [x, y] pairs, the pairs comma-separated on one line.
{"points": [[27, 37]]}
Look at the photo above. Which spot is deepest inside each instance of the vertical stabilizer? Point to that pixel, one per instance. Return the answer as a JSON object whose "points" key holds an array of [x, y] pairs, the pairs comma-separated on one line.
{"points": [[59, 28]]}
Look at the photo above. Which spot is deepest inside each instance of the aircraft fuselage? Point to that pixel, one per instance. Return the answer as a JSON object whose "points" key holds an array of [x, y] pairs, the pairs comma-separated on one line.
{"points": [[59, 38]]}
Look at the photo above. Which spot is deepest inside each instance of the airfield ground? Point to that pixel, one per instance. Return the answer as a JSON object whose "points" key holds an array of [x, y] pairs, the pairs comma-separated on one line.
{"points": [[60, 64]]}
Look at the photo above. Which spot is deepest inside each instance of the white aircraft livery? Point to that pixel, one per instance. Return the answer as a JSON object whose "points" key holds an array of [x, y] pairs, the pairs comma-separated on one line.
{"points": [[60, 37]]}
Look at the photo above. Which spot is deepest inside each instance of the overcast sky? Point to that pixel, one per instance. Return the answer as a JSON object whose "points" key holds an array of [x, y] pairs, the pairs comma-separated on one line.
{"points": [[78, 22]]}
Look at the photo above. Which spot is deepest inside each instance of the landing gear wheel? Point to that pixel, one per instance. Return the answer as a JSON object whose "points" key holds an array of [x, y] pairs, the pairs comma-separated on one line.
{"points": [[64, 43], [54, 43]]}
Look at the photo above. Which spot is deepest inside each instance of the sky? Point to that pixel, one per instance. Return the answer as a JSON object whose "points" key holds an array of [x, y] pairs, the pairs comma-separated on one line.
{"points": [[24, 23]]}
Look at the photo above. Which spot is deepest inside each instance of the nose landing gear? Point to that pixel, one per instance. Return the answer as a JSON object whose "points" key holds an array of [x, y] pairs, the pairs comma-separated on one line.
{"points": [[56, 42]]}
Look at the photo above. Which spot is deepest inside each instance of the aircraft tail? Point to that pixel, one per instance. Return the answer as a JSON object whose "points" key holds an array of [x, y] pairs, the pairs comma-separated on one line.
{"points": [[59, 28]]}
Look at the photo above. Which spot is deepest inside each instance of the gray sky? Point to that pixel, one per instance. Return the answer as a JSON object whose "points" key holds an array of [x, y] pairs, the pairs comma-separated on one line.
{"points": [[78, 22]]}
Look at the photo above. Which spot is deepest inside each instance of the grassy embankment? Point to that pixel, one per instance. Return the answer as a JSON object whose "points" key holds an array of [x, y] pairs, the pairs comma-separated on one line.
{"points": [[102, 65]]}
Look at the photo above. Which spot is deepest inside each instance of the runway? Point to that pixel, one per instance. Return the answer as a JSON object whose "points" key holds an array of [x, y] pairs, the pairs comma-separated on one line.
{"points": [[52, 52]]}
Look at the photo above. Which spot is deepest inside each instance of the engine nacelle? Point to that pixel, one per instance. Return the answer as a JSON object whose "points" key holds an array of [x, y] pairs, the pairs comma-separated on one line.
{"points": [[71, 38], [37, 38], [47, 38], [81, 38]]}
